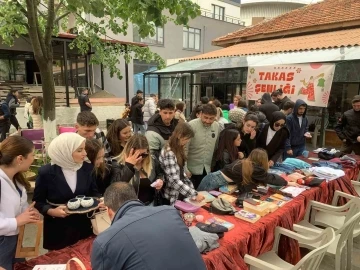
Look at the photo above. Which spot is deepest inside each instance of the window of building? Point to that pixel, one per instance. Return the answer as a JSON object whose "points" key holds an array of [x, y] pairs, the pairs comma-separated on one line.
{"points": [[156, 39], [218, 12], [191, 38]]}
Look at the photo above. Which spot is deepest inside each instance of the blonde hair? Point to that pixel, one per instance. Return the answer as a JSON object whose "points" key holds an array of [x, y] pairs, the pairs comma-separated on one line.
{"points": [[258, 157], [137, 141]]}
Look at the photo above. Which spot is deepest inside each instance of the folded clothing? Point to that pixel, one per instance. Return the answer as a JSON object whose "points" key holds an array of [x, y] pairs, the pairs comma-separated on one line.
{"points": [[286, 168], [327, 173], [297, 163], [204, 241], [327, 164], [212, 228]]}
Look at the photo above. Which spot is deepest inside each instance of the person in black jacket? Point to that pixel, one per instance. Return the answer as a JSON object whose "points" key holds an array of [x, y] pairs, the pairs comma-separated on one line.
{"points": [[227, 151], [247, 131], [67, 177], [247, 174], [101, 171], [4, 120], [137, 166], [348, 128], [143, 237], [139, 94], [137, 116], [267, 106], [12, 99], [84, 101], [297, 123], [273, 137], [282, 99]]}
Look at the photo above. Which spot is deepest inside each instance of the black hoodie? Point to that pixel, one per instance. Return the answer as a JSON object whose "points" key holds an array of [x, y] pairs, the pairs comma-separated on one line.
{"points": [[297, 137], [267, 107], [276, 146]]}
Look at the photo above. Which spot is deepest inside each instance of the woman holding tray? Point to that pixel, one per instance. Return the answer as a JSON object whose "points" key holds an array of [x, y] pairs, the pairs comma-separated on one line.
{"points": [[246, 174], [16, 156], [65, 178]]}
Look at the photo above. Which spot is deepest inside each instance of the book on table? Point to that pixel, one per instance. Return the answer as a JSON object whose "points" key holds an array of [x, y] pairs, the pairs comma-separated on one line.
{"points": [[221, 222], [207, 195], [247, 216]]}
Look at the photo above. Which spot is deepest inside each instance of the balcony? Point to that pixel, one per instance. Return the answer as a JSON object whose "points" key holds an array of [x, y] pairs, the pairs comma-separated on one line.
{"points": [[208, 14]]}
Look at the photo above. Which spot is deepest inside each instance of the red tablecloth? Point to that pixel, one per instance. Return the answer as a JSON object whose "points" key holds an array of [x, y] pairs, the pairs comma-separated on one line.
{"points": [[245, 238]]}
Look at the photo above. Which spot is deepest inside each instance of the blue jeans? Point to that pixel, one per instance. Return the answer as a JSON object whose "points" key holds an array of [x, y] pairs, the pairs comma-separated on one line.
{"points": [[297, 151], [212, 181], [7, 251]]}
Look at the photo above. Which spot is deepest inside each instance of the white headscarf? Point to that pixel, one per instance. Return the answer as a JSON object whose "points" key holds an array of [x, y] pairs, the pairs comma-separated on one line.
{"points": [[61, 149]]}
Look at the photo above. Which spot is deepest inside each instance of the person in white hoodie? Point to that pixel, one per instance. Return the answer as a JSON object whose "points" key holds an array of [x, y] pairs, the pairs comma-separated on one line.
{"points": [[149, 109], [16, 156]]}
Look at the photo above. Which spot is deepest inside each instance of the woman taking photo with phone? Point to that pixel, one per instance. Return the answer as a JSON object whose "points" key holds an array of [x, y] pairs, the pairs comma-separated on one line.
{"points": [[246, 174], [16, 156], [137, 166], [273, 137], [65, 178], [172, 160]]}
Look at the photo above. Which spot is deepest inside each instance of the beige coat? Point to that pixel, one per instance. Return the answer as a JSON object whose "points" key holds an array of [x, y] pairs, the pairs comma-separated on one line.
{"points": [[37, 119]]}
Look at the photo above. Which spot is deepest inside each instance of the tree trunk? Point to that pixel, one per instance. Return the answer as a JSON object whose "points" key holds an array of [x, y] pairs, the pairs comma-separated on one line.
{"points": [[48, 87]]}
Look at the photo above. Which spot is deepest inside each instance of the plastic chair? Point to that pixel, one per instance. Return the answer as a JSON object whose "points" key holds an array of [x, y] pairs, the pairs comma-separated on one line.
{"points": [[37, 137], [270, 260], [356, 185], [66, 129], [342, 247]]}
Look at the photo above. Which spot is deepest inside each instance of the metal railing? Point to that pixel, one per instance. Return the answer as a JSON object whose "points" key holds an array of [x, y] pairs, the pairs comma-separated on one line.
{"points": [[208, 14]]}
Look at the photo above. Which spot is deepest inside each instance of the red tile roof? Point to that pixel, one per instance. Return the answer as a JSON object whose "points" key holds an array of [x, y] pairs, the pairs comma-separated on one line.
{"points": [[335, 39], [319, 17]]}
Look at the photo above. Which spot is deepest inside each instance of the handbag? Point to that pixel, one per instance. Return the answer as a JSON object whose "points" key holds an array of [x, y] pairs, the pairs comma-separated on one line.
{"points": [[100, 221], [222, 207]]}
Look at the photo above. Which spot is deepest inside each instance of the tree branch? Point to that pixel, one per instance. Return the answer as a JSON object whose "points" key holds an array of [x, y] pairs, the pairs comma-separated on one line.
{"points": [[61, 17], [41, 13], [33, 30], [50, 23]]}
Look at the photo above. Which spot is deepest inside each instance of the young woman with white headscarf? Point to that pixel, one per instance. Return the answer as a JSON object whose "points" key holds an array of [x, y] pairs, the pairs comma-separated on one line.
{"points": [[65, 178]]}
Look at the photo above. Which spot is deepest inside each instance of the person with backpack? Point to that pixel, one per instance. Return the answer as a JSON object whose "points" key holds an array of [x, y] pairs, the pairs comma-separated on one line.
{"points": [[12, 99], [4, 120]]}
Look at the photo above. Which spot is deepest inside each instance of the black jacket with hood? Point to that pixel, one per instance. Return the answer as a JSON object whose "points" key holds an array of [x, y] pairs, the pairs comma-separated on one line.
{"points": [[12, 102], [267, 107], [297, 137], [276, 146], [349, 126], [283, 101]]}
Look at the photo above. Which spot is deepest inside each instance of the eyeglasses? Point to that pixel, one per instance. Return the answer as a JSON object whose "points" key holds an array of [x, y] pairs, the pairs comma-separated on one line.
{"points": [[279, 125], [144, 155]]}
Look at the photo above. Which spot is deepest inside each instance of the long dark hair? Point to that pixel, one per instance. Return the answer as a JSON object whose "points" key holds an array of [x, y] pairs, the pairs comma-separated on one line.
{"points": [[11, 148], [182, 130], [37, 104], [92, 148], [226, 143], [113, 136], [249, 116]]}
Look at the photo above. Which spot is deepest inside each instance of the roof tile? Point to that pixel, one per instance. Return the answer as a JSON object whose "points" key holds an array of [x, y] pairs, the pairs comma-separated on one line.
{"points": [[327, 40], [319, 14]]}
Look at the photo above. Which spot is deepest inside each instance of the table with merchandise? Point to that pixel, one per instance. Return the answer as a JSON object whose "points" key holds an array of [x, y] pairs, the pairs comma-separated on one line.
{"points": [[252, 237]]}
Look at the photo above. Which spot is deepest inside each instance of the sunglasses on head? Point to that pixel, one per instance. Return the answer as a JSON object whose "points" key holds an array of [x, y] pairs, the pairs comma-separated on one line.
{"points": [[279, 125]]}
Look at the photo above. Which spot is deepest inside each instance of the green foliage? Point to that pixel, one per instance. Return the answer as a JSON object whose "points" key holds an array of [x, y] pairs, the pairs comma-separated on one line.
{"points": [[113, 17]]}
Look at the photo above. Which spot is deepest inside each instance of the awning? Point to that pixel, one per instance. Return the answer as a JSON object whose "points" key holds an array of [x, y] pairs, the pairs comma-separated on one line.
{"points": [[313, 56]]}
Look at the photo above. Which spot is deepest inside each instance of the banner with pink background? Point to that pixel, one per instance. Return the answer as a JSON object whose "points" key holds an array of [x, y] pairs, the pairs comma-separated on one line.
{"points": [[309, 82]]}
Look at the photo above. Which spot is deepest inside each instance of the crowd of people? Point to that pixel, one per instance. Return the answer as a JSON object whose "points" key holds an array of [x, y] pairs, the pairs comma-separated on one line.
{"points": [[174, 159]]}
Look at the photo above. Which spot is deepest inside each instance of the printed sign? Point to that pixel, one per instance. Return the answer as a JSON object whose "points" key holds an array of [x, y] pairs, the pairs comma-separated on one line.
{"points": [[309, 82]]}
